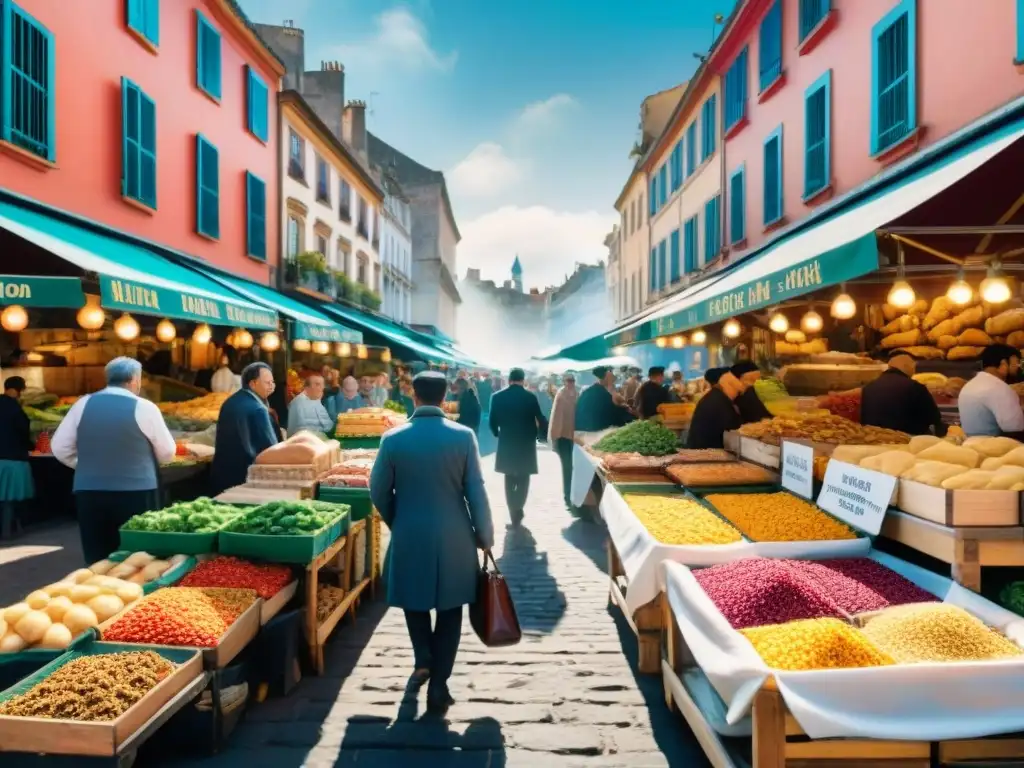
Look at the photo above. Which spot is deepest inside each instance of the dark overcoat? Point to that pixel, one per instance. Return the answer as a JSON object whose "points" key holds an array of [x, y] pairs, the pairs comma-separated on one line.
{"points": [[516, 420], [244, 430]]}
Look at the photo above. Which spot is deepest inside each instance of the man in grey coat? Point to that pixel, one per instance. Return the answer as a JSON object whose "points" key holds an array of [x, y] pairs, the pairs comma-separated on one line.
{"points": [[428, 487]]}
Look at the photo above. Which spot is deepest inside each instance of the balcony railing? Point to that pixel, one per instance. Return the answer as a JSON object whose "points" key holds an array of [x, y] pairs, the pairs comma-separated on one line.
{"points": [[301, 272]]}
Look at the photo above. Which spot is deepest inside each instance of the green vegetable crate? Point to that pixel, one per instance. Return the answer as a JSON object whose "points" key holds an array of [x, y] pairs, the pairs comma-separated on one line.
{"points": [[296, 550], [165, 543], [358, 500], [355, 443]]}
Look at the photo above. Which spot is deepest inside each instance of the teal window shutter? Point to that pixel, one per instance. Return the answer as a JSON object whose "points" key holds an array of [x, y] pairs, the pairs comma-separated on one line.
{"points": [[709, 127], [255, 216], [663, 185], [27, 92], [894, 77], [1020, 31], [207, 188], [677, 165], [817, 135], [138, 145], [143, 16], [652, 201], [691, 149], [736, 91], [674, 256], [207, 57], [770, 46], [812, 13], [662, 265], [652, 269], [773, 209], [712, 229], [690, 245], [257, 105], [737, 206]]}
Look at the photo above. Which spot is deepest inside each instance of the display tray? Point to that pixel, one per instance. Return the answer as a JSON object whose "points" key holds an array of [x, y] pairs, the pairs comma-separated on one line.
{"points": [[634, 477], [704, 475], [167, 543], [270, 608], [271, 473], [328, 625], [297, 550], [170, 576], [358, 500], [760, 453], [94, 739], [251, 495], [351, 443], [959, 507]]}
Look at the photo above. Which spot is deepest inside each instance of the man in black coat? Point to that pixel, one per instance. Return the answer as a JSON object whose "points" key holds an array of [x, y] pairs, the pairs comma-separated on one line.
{"points": [[596, 408], [652, 393], [244, 429], [517, 422], [749, 404], [714, 415], [469, 405], [895, 401]]}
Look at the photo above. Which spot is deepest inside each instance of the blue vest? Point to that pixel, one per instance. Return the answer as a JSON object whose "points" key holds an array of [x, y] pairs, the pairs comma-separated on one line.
{"points": [[113, 452]]}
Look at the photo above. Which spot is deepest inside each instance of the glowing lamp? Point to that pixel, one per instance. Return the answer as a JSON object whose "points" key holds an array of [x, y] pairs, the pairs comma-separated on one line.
{"points": [[126, 327], [343, 349], [165, 331], [202, 334], [362, 352], [901, 295], [731, 329], [843, 307], [994, 289], [91, 316], [243, 339], [302, 345], [385, 355], [270, 342], [779, 323], [678, 342], [661, 342], [811, 322], [14, 318], [960, 292], [698, 336], [321, 348]]}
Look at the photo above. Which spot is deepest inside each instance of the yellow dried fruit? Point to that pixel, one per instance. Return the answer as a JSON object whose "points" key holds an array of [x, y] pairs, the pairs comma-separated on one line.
{"points": [[936, 632], [778, 517], [677, 520], [814, 644]]}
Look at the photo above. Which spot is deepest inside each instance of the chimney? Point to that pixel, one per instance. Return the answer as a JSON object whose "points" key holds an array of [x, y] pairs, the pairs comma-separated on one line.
{"points": [[353, 127]]}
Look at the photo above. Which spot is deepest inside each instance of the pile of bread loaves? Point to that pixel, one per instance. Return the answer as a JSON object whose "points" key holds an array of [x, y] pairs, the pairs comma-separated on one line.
{"points": [[945, 330]]}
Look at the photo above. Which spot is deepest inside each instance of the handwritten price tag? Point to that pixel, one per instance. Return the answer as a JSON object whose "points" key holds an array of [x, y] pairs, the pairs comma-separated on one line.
{"points": [[856, 495], [798, 468]]}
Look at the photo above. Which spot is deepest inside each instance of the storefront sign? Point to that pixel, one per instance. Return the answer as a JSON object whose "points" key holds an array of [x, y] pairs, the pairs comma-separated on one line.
{"points": [[332, 333], [33, 291], [856, 495], [129, 296], [798, 468]]}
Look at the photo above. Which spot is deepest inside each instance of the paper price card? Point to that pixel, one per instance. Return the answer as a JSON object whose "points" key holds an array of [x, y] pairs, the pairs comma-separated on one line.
{"points": [[856, 495], [798, 468]]}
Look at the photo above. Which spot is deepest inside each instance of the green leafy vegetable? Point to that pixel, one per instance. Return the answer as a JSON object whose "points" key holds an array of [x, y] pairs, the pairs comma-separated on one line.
{"points": [[200, 516], [647, 438], [1012, 597], [288, 518]]}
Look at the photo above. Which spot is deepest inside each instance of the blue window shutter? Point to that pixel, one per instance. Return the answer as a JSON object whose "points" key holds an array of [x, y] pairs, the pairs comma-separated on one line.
{"points": [[143, 16], [712, 229], [138, 145], [1020, 31], [257, 105], [674, 256], [652, 196], [207, 188], [691, 149], [147, 150], [894, 77], [773, 209], [256, 216], [663, 185], [653, 281], [27, 93], [736, 91], [770, 46], [812, 12], [208, 64], [737, 206], [690, 245], [708, 127], [817, 135]]}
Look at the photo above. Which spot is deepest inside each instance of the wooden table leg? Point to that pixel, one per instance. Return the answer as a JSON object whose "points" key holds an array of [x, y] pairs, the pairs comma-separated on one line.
{"points": [[312, 577], [373, 542], [966, 565], [769, 725]]}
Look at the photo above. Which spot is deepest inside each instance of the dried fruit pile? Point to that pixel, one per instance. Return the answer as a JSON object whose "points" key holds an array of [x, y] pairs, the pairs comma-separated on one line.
{"points": [[91, 688], [327, 599], [677, 520], [821, 429], [859, 584], [235, 573], [814, 644], [778, 517], [193, 617]]}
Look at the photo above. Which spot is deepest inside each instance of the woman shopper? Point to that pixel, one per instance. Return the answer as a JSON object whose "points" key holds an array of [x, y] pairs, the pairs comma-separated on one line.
{"points": [[562, 431]]}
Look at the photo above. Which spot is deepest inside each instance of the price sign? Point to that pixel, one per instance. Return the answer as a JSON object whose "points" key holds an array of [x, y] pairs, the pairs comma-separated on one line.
{"points": [[798, 468], [856, 495]]}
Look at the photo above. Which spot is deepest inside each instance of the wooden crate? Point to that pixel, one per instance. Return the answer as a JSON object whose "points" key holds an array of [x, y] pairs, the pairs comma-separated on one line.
{"points": [[270, 608], [959, 507], [645, 621]]}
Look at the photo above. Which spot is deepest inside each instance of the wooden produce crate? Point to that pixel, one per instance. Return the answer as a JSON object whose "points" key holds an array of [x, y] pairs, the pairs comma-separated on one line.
{"points": [[270, 608], [298, 549], [252, 495], [959, 507], [646, 621], [96, 739]]}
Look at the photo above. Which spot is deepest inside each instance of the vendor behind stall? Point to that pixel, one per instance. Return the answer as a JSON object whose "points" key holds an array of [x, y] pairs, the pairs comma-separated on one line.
{"points": [[895, 401], [716, 412], [115, 442], [348, 398], [15, 443], [244, 429], [224, 379], [306, 411], [651, 393], [596, 409], [749, 404], [988, 406]]}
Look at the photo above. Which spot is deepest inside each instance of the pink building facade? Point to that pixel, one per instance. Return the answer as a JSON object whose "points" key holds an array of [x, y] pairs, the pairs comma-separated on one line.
{"points": [[820, 96]]}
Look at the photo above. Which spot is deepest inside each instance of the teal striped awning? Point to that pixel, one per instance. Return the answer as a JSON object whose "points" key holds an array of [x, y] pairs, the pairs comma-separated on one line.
{"points": [[395, 334]]}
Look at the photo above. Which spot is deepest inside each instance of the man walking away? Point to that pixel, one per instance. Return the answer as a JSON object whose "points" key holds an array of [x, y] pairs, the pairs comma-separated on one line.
{"points": [[517, 422], [115, 441], [469, 406], [428, 487], [562, 430]]}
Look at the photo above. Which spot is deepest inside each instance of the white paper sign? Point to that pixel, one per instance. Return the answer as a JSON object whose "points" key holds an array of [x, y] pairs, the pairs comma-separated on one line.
{"points": [[856, 495], [798, 468]]}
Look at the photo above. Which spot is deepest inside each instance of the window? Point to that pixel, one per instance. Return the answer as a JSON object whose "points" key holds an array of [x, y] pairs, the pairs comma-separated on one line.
{"points": [[363, 264], [344, 201], [662, 270], [736, 91], [712, 228], [375, 229], [26, 83], [256, 105], [737, 206], [1020, 32], [652, 269], [691, 149], [323, 181], [812, 13], [769, 42], [773, 177], [294, 237], [321, 245], [690, 246], [894, 77], [207, 189], [296, 156], [138, 145], [653, 196], [640, 211], [144, 19], [361, 219], [817, 135], [677, 165], [663, 185], [256, 217], [708, 127], [673, 259], [207, 57]]}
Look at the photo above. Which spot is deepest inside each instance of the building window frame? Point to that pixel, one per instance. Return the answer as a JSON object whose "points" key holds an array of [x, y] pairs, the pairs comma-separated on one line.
{"points": [[738, 205], [677, 165], [142, 17], [361, 214], [811, 14], [774, 200], [769, 48], [35, 82], [294, 235], [207, 188], [709, 127], [138, 146], [674, 257], [662, 185], [255, 216], [257, 105], [691, 149], [296, 156], [663, 264], [899, 93], [208, 57], [323, 179], [818, 136], [652, 267], [736, 77], [344, 201]]}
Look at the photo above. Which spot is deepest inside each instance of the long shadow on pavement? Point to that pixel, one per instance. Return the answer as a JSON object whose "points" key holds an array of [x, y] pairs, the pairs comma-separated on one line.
{"points": [[414, 741], [589, 538], [540, 604], [40, 556]]}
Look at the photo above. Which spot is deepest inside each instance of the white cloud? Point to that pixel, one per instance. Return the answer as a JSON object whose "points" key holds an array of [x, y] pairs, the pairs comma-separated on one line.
{"points": [[544, 114], [400, 39], [485, 172], [548, 242]]}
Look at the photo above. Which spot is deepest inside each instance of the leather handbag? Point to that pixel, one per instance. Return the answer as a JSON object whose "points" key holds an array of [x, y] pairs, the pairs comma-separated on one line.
{"points": [[493, 615]]}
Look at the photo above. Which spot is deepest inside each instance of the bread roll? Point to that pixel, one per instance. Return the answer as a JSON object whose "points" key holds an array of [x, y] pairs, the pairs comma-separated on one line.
{"points": [[904, 339], [964, 353], [923, 352], [951, 454], [1005, 322], [942, 309], [946, 342], [974, 337]]}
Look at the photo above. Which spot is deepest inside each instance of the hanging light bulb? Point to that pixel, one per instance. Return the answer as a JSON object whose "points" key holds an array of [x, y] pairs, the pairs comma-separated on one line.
{"points": [[901, 295], [811, 322], [794, 336], [243, 339], [661, 342], [385, 355], [270, 342], [126, 327], [165, 331], [202, 334], [91, 316], [698, 336], [14, 318], [843, 307], [362, 352], [302, 345], [321, 347], [344, 349], [778, 323], [960, 291], [731, 329], [678, 342], [994, 289]]}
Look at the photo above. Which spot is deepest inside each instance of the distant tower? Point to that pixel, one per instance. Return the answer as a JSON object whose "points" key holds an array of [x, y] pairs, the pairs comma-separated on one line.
{"points": [[517, 275]]}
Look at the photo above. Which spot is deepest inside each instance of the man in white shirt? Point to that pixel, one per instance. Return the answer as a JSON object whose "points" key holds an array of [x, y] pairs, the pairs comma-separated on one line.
{"points": [[988, 406], [306, 411], [223, 379], [115, 441]]}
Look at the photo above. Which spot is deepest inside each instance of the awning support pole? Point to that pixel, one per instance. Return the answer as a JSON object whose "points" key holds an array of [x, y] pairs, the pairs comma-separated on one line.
{"points": [[995, 229], [928, 249], [986, 241]]}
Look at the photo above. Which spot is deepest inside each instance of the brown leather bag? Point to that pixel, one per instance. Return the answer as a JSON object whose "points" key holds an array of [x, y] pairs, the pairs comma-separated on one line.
{"points": [[493, 615]]}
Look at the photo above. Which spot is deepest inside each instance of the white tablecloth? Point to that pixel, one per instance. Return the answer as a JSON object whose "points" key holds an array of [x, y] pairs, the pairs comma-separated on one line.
{"points": [[641, 554], [584, 469], [924, 702]]}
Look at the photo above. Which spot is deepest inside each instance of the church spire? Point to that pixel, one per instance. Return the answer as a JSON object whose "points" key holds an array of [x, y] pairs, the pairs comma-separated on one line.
{"points": [[517, 274]]}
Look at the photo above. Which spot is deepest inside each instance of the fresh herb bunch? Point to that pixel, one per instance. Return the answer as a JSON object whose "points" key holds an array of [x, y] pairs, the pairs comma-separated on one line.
{"points": [[644, 437]]}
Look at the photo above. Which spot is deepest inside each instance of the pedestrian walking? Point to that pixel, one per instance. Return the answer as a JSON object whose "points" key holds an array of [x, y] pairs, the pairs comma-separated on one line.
{"points": [[469, 405], [115, 441], [16, 484], [517, 422], [428, 486], [245, 428], [562, 431]]}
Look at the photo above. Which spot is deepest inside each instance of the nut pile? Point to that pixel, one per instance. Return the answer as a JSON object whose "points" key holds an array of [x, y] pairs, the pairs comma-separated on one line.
{"points": [[821, 429], [814, 644], [677, 520], [192, 617], [327, 599], [859, 584], [778, 517], [936, 632], [91, 688]]}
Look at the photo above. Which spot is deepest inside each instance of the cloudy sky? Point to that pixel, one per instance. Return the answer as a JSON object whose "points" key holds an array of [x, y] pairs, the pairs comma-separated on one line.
{"points": [[530, 107]]}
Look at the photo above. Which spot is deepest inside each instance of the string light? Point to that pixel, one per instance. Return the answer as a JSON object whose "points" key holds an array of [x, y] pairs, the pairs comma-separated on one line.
{"points": [[661, 342], [14, 318], [994, 288], [731, 329], [165, 331], [901, 295], [321, 348], [779, 323], [91, 317], [362, 352], [811, 322], [270, 342], [344, 349], [202, 334], [126, 327], [843, 307], [302, 345], [678, 342], [243, 339], [385, 355], [698, 336], [960, 291]]}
